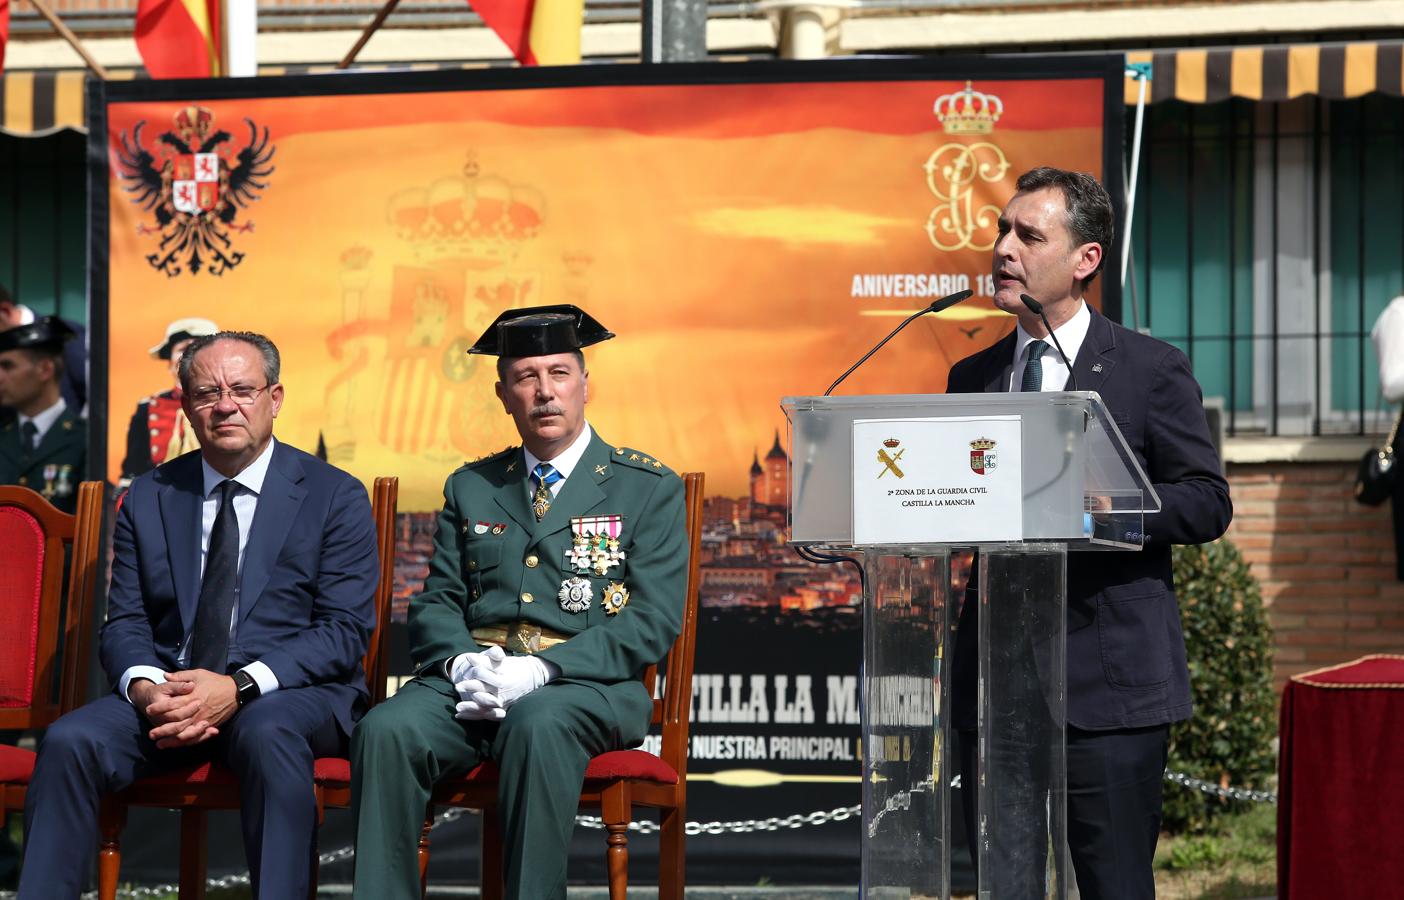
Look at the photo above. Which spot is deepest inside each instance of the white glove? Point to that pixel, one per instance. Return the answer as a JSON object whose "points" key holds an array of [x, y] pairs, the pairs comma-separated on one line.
{"points": [[508, 678], [460, 668]]}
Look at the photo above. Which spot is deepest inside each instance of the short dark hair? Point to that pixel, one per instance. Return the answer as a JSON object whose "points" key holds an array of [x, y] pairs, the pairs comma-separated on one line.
{"points": [[271, 360], [502, 364], [1089, 206]]}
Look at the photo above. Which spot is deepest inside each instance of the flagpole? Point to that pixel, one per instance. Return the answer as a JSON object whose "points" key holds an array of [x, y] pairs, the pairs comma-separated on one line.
{"points": [[371, 29], [67, 34]]}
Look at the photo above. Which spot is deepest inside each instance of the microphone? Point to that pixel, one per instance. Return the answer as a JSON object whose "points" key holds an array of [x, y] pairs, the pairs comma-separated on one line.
{"points": [[1037, 309], [936, 306]]}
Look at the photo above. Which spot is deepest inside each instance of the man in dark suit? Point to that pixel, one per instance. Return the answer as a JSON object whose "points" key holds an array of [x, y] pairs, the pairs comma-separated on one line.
{"points": [[558, 575], [240, 606], [45, 446], [1127, 679]]}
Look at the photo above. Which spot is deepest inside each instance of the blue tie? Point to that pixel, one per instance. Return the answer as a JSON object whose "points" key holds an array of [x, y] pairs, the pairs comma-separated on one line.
{"points": [[543, 476], [1033, 367], [209, 641]]}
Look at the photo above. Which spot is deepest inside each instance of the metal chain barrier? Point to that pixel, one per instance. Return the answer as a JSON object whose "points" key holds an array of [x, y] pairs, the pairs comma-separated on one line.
{"points": [[738, 826]]}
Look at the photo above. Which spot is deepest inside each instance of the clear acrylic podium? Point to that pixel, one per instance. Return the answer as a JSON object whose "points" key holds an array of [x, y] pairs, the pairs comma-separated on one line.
{"points": [[1079, 488]]}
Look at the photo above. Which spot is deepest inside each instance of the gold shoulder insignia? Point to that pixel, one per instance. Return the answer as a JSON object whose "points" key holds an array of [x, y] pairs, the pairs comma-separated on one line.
{"points": [[636, 460], [472, 463]]}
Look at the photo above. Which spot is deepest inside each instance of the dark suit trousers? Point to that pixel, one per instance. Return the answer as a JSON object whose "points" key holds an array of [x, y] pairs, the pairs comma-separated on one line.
{"points": [[1114, 798], [103, 747]]}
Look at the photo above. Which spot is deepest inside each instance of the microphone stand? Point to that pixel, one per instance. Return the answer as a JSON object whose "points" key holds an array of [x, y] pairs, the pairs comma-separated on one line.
{"points": [[936, 306], [1037, 309]]}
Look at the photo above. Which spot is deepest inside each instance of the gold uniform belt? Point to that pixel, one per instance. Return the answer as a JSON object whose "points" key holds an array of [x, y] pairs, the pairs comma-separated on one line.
{"points": [[519, 637]]}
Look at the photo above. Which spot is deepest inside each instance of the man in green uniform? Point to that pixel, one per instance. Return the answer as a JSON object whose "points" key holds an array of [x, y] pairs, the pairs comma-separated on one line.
{"points": [[45, 447], [558, 575]]}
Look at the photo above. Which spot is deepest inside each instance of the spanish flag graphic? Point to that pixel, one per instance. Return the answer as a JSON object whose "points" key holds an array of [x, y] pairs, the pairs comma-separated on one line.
{"points": [[179, 38], [538, 32]]}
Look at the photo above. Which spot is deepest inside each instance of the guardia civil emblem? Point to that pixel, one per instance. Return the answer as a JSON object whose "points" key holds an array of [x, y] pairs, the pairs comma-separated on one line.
{"points": [[982, 456], [888, 455], [956, 171], [575, 595], [195, 184]]}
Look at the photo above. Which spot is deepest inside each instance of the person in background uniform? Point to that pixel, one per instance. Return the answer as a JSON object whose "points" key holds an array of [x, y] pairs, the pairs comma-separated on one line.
{"points": [[74, 383], [558, 575], [1127, 678], [242, 600], [159, 429], [45, 447]]}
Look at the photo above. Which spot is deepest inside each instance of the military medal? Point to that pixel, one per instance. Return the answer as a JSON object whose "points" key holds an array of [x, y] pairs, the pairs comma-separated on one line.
{"points": [[65, 481], [499, 528], [595, 547], [616, 597], [481, 528], [50, 473], [575, 595]]}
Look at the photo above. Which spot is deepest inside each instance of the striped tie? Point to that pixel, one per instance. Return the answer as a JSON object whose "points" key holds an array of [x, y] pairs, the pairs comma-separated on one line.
{"points": [[543, 476]]}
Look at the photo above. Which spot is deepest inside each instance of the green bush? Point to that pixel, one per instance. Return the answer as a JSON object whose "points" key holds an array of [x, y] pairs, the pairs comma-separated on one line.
{"points": [[1229, 739]]}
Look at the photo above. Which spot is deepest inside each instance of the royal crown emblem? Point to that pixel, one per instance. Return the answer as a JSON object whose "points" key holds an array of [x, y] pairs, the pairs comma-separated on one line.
{"points": [[195, 185], [481, 220], [891, 443], [968, 111]]}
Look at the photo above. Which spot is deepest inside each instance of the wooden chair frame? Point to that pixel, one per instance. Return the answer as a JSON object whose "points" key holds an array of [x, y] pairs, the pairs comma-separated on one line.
{"points": [[195, 800], [616, 797], [83, 532]]}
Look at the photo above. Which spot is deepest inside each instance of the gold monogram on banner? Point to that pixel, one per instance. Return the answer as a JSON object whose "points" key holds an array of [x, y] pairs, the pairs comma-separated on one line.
{"points": [[952, 171]]}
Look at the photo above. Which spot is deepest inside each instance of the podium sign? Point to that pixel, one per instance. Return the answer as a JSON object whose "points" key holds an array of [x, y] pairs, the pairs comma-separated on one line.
{"points": [[952, 481], [901, 481]]}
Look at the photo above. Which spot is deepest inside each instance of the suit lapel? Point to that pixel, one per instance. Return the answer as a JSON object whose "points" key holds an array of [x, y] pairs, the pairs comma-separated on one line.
{"points": [[1096, 357], [999, 365], [582, 491], [512, 490], [278, 504], [180, 500]]}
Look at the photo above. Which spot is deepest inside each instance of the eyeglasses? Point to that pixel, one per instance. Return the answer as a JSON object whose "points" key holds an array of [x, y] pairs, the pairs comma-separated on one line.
{"points": [[203, 398]]}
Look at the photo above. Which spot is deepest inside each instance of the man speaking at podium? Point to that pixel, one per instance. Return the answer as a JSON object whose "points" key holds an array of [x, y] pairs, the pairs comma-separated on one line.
{"points": [[1127, 679]]}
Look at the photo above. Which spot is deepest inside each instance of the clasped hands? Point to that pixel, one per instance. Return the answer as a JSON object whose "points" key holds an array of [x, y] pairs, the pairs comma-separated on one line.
{"points": [[488, 683], [188, 708]]}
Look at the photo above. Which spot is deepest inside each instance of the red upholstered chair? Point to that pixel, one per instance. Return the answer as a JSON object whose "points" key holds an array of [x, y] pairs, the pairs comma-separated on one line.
{"points": [[195, 791], [618, 781], [38, 632]]}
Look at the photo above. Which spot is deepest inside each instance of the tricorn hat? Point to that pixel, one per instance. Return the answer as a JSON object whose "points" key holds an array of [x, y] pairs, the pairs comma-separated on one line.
{"points": [[182, 330], [46, 333], [540, 331]]}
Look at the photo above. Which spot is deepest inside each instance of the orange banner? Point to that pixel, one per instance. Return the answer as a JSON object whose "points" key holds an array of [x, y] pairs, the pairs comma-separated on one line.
{"points": [[745, 241]]}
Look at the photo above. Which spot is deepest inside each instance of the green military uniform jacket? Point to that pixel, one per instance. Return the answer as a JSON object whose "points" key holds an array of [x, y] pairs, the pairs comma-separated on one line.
{"points": [[55, 467], [494, 564]]}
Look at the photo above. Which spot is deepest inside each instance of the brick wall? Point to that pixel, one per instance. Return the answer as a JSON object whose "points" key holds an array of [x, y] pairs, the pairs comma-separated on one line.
{"points": [[1325, 562]]}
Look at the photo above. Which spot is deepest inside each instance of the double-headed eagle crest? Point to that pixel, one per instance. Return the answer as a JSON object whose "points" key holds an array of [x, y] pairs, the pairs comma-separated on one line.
{"points": [[195, 185]]}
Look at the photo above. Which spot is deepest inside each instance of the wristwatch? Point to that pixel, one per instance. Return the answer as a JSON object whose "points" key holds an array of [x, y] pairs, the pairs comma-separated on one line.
{"points": [[246, 688]]}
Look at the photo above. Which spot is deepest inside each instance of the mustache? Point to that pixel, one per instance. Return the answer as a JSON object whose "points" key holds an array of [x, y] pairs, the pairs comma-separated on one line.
{"points": [[547, 409]]}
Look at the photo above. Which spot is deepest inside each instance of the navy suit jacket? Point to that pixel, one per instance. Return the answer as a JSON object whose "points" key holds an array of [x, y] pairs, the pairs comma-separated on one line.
{"points": [[306, 585], [1125, 651]]}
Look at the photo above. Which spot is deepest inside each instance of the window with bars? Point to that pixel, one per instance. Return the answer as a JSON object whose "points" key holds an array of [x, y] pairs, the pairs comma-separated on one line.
{"points": [[1268, 237], [43, 222]]}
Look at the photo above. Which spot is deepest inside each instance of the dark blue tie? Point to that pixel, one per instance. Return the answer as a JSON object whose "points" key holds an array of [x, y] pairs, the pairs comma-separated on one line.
{"points": [[29, 434], [209, 643], [543, 476], [1033, 367]]}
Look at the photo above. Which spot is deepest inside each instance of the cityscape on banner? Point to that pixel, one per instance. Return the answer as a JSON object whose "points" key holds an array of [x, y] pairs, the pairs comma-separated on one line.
{"points": [[746, 563]]}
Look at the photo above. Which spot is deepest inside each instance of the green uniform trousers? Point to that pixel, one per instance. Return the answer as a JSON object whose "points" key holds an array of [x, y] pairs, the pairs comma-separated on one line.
{"points": [[406, 744]]}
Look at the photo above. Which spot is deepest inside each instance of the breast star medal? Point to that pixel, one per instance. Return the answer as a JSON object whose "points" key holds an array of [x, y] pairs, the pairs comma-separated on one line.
{"points": [[575, 595], [616, 597]]}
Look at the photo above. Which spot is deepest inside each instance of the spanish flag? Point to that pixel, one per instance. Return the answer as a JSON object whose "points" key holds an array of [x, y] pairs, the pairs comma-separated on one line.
{"points": [[179, 38], [4, 30], [538, 32]]}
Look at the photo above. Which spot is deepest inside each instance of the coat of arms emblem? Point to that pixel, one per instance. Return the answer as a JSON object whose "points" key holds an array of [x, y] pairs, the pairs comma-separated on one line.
{"points": [[982, 455], [195, 184]]}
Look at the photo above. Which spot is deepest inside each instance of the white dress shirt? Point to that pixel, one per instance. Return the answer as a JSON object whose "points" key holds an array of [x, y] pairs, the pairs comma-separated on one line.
{"points": [[245, 499], [565, 461], [1055, 372], [43, 421]]}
